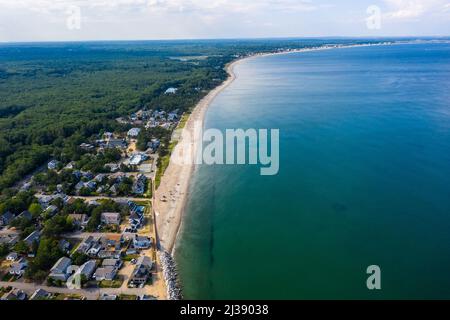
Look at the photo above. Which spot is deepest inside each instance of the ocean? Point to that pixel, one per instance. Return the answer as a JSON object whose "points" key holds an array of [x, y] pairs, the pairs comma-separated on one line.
{"points": [[364, 180]]}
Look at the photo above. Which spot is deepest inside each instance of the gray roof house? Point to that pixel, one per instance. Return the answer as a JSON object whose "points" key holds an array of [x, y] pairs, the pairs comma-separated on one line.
{"points": [[18, 267], [116, 263], [25, 215], [59, 270], [111, 218], [87, 269], [86, 244], [32, 238], [14, 294], [140, 242], [105, 273], [40, 294], [141, 272], [6, 218]]}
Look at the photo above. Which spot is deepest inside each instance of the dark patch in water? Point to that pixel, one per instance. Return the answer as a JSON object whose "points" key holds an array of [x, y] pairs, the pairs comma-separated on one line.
{"points": [[340, 207]]}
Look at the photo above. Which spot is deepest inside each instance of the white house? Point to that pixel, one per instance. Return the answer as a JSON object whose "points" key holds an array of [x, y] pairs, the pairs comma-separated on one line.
{"points": [[52, 165], [134, 132]]}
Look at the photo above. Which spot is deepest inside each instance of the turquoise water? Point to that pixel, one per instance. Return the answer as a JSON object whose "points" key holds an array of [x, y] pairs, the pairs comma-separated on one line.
{"points": [[364, 179]]}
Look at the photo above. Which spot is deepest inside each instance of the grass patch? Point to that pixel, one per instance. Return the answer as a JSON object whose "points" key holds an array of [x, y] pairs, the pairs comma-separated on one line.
{"points": [[130, 257], [127, 297], [183, 120], [7, 277], [111, 283]]}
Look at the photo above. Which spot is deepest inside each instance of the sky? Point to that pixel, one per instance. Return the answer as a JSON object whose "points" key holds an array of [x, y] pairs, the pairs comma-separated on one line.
{"points": [[75, 20]]}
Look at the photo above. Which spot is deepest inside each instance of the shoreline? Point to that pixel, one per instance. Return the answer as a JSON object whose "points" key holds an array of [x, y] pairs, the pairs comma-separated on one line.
{"points": [[176, 179]]}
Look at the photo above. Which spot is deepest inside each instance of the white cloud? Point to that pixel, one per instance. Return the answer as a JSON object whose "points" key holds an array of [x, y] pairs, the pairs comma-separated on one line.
{"points": [[412, 9]]}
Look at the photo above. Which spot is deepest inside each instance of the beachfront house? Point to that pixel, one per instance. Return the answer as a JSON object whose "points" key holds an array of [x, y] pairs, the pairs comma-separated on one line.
{"points": [[141, 242], [141, 272]]}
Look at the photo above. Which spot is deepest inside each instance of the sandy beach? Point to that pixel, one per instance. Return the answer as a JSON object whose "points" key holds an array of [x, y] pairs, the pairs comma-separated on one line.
{"points": [[171, 196]]}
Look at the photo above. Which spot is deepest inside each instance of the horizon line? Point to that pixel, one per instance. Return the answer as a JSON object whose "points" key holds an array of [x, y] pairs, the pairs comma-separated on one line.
{"points": [[230, 39]]}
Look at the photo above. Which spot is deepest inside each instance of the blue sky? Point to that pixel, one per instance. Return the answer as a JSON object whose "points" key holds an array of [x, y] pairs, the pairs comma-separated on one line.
{"points": [[54, 20]]}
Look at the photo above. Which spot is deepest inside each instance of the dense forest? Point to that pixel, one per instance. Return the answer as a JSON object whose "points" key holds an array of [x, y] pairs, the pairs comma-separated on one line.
{"points": [[53, 96]]}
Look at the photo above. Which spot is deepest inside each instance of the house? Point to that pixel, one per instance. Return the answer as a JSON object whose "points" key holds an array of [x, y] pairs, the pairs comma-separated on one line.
{"points": [[105, 273], [52, 165], [80, 220], [51, 210], [100, 177], [13, 256], [9, 239], [18, 267], [107, 254], [91, 185], [171, 90], [6, 218], [108, 297], [40, 294], [116, 143], [86, 244], [135, 219], [113, 167], [87, 175], [111, 218], [59, 270], [137, 159], [87, 269], [64, 245], [87, 147], [116, 263], [33, 238], [154, 144], [25, 215], [15, 294], [139, 185], [141, 242], [79, 186], [95, 249], [141, 272], [134, 132]]}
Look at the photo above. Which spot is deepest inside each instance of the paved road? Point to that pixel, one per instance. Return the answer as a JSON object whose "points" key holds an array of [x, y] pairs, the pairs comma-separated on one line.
{"points": [[118, 199], [90, 294]]}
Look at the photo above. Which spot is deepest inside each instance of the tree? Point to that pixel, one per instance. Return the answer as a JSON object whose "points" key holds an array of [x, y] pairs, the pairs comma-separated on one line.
{"points": [[57, 225], [79, 258], [35, 209], [47, 255], [21, 247], [4, 250]]}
